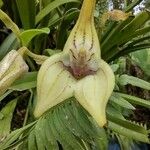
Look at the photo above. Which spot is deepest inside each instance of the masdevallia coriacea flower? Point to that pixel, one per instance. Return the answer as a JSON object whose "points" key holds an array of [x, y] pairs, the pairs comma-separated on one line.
{"points": [[77, 71]]}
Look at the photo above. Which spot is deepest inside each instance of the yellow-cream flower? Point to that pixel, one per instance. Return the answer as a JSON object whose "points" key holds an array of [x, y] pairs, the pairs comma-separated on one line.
{"points": [[78, 71]]}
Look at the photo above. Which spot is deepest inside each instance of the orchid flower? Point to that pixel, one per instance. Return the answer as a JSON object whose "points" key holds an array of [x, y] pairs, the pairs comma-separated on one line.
{"points": [[77, 71]]}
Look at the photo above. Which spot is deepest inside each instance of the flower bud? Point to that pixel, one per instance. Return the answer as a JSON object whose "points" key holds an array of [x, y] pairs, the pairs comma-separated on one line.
{"points": [[12, 67]]}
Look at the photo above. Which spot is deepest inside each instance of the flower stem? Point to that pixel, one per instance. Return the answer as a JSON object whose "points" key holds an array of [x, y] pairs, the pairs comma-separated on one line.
{"points": [[38, 58]]}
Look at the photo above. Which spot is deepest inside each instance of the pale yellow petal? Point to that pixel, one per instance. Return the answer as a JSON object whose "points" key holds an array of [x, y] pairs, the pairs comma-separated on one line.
{"points": [[54, 85], [93, 92], [84, 35]]}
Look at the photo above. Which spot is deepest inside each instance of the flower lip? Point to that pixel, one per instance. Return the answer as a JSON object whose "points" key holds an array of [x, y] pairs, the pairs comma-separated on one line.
{"points": [[80, 64], [79, 72]]}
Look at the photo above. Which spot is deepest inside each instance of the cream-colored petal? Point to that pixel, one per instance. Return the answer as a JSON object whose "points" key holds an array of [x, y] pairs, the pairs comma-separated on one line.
{"points": [[54, 85], [93, 92], [84, 35]]}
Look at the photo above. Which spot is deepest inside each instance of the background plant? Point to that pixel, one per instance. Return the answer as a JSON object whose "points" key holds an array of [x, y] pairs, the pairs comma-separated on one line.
{"points": [[43, 26]]}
